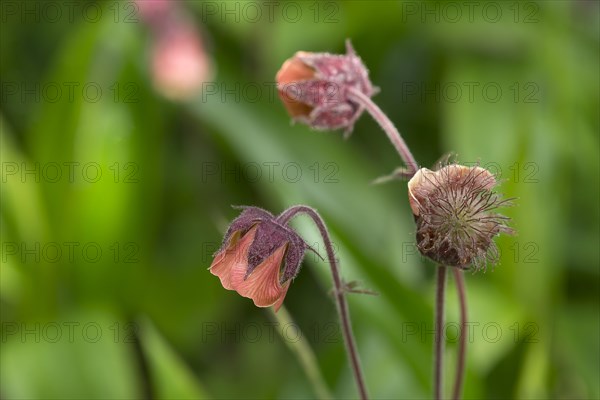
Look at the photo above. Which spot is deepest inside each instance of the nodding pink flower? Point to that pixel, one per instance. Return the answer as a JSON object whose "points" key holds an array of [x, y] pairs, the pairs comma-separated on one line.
{"points": [[259, 257], [314, 88], [180, 64], [454, 211]]}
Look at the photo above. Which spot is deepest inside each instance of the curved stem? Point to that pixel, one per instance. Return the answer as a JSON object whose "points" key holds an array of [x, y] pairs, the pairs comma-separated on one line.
{"points": [[438, 360], [365, 101], [342, 305], [462, 344]]}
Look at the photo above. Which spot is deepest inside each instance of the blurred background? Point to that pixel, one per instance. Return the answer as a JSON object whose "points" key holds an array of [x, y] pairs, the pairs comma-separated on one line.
{"points": [[130, 128]]}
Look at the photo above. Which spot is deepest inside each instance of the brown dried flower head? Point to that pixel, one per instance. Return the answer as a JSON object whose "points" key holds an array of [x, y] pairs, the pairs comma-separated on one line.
{"points": [[454, 211]]}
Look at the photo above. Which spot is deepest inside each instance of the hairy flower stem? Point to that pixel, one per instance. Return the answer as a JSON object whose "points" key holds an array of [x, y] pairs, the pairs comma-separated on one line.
{"points": [[462, 344], [388, 127], [438, 356], [342, 305]]}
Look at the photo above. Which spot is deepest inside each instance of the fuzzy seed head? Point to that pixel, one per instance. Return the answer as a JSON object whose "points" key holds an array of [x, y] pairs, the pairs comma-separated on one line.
{"points": [[454, 209]]}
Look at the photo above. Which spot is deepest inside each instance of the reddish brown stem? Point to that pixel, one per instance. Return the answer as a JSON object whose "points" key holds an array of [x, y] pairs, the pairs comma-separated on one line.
{"points": [[388, 127], [462, 344], [438, 356], [342, 305]]}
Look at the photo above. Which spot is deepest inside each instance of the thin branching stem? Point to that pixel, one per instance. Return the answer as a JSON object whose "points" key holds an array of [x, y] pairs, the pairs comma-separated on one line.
{"points": [[438, 354], [462, 344], [388, 127], [342, 305]]}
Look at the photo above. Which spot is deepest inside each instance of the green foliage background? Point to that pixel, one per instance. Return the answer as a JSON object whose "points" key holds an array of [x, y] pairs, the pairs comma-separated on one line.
{"points": [[169, 330]]}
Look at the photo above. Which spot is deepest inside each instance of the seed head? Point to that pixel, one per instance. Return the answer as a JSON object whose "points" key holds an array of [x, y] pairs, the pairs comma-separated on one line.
{"points": [[454, 212]]}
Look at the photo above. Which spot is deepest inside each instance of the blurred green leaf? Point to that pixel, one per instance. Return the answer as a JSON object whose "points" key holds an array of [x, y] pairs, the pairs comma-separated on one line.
{"points": [[171, 378], [80, 356]]}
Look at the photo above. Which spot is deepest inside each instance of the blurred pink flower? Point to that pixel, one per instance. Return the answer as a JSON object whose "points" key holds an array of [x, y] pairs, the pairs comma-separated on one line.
{"points": [[154, 12], [179, 62]]}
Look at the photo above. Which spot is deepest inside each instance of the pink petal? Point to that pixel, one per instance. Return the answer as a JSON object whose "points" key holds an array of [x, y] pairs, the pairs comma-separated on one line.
{"points": [[262, 285], [279, 302], [234, 256], [293, 72]]}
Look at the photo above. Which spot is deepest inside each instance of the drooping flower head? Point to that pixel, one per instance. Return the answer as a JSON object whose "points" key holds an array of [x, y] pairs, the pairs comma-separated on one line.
{"points": [[259, 257], [314, 88], [454, 209]]}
